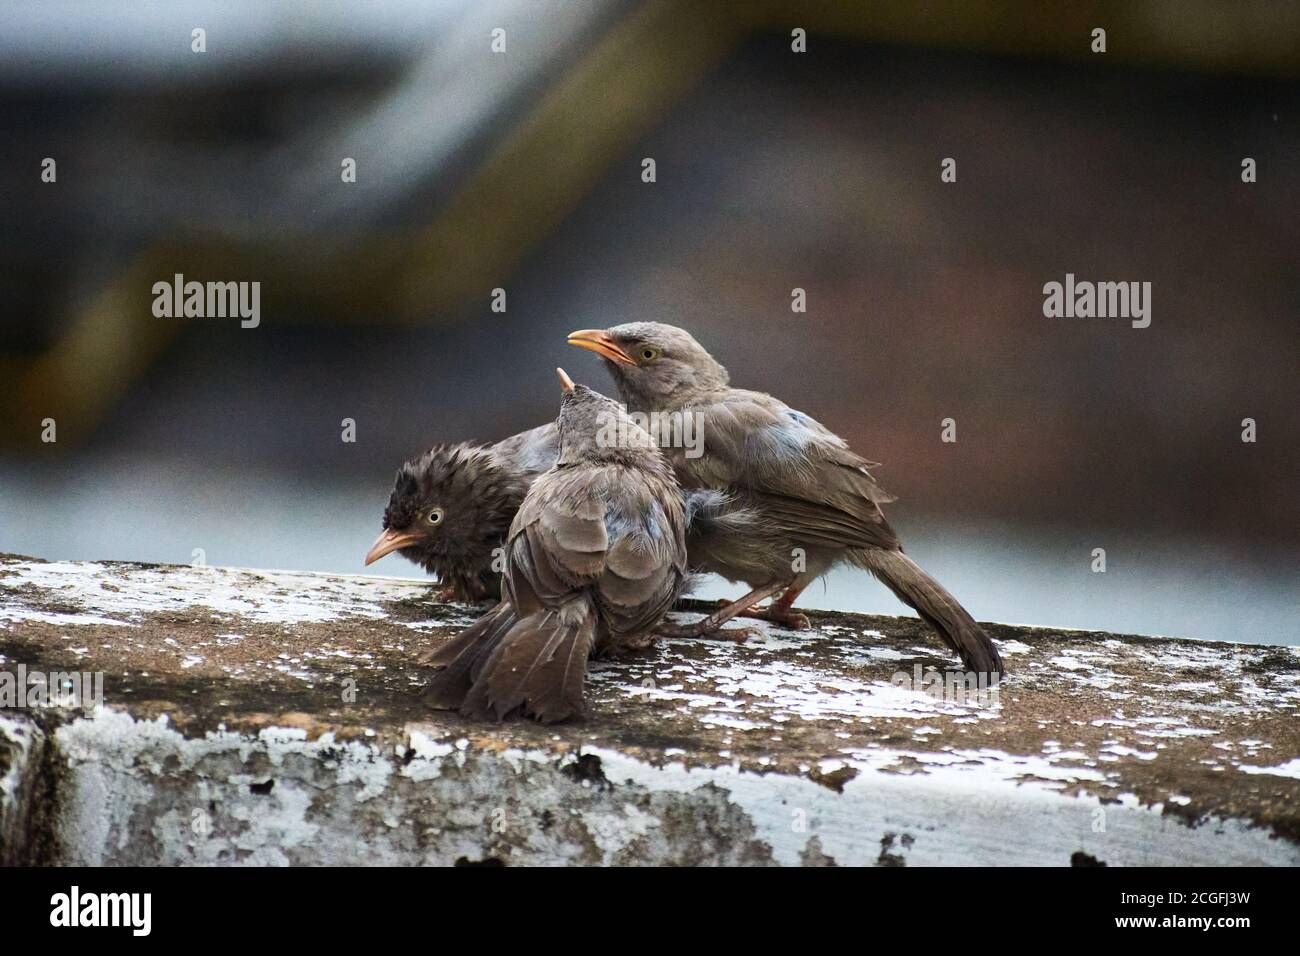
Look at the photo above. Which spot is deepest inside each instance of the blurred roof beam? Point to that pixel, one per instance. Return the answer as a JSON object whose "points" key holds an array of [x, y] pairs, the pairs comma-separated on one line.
{"points": [[558, 143], [418, 136], [53, 45], [1260, 37]]}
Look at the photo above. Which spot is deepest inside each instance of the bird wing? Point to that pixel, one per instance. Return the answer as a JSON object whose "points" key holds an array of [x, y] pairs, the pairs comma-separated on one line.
{"points": [[798, 471], [646, 565], [529, 453], [558, 540], [593, 550], [617, 531]]}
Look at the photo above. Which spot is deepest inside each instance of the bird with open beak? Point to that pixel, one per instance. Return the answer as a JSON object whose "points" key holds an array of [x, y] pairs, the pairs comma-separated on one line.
{"points": [[594, 558], [818, 504], [450, 508]]}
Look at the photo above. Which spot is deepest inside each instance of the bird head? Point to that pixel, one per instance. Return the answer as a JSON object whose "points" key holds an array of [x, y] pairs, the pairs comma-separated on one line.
{"points": [[593, 427], [655, 366], [448, 510]]}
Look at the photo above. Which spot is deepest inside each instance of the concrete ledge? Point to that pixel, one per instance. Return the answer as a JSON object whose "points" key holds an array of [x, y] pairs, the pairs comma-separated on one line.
{"points": [[271, 718]]}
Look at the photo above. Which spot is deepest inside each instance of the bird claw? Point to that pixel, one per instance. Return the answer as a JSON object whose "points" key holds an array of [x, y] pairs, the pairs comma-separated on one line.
{"points": [[638, 643], [795, 620], [782, 617], [700, 632]]}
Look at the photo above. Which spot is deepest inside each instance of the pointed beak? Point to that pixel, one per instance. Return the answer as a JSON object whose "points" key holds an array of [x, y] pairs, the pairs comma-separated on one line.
{"points": [[566, 383], [600, 342], [389, 542]]}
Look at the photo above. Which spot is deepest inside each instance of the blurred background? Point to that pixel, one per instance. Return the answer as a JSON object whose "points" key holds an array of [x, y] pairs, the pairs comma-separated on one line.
{"points": [[181, 438]]}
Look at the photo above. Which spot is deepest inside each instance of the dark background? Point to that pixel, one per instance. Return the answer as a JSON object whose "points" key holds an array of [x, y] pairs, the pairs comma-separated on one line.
{"points": [[775, 170]]}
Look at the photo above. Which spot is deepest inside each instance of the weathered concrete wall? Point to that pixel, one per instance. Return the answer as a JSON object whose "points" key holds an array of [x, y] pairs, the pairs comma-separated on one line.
{"points": [[272, 717]]}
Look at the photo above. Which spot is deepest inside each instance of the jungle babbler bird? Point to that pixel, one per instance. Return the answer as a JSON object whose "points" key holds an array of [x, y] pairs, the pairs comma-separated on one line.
{"points": [[594, 558], [814, 497], [450, 509]]}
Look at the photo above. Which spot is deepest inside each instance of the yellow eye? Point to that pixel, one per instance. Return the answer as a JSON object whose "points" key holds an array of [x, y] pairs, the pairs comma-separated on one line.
{"points": [[649, 353], [434, 516]]}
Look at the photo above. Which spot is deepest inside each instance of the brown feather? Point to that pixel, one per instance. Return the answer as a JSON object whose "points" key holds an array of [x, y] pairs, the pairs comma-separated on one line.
{"points": [[461, 657], [538, 669], [937, 607], [809, 490], [594, 558]]}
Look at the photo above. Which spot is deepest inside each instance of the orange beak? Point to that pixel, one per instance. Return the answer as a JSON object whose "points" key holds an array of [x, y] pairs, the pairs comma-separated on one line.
{"points": [[389, 542], [600, 342], [566, 383]]}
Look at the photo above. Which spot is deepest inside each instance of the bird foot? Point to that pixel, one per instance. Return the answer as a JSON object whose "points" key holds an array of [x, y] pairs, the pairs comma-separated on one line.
{"points": [[703, 630], [454, 594], [639, 643], [781, 616]]}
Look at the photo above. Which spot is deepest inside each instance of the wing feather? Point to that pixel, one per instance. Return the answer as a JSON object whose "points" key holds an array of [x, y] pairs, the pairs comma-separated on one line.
{"points": [[796, 469]]}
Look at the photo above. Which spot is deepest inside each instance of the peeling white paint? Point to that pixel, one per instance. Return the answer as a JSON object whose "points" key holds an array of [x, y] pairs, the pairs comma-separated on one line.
{"points": [[58, 618], [275, 597], [932, 770], [851, 825], [752, 695], [1289, 769], [131, 777], [18, 733]]}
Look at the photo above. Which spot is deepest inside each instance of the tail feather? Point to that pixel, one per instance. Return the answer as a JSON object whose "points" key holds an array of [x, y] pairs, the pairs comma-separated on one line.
{"points": [[936, 606], [537, 668], [461, 659]]}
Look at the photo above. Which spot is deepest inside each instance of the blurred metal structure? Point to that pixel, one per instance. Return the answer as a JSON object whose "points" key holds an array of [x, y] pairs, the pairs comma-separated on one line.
{"points": [[227, 163], [521, 170]]}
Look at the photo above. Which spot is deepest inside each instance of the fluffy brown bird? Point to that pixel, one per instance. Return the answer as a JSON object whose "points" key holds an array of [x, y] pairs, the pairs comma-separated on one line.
{"points": [[594, 558], [451, 507], [817, 502]]}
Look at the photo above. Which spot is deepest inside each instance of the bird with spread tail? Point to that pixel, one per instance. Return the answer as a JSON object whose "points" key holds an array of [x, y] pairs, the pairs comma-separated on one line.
{"points": [[817, 503], [594, 558]]}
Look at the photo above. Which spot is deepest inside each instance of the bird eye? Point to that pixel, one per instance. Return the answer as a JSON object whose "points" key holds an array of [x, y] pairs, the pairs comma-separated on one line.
{"points": [[649, 353], [434, 516]]}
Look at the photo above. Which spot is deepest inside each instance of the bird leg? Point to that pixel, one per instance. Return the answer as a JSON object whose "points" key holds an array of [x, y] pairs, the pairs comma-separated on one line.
{"points": [[711, 626], [781, 611], [448, 593]]}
